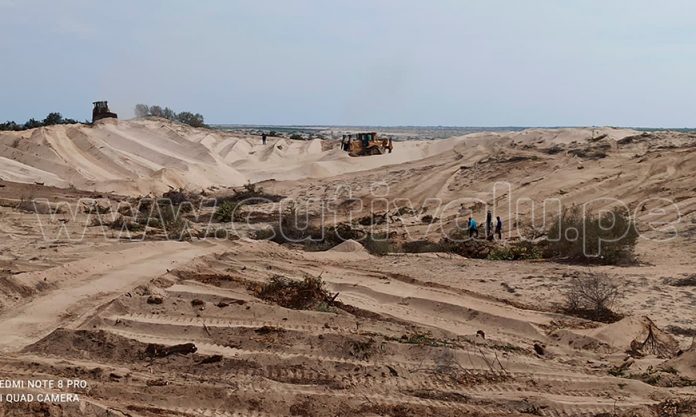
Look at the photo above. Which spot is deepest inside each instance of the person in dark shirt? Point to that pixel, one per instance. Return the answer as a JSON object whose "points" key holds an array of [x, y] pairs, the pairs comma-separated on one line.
{"points": [[499, 227], [489, 225]]}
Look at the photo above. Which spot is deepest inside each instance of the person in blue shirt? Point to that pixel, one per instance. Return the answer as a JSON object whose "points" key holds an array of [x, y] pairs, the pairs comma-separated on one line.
{"points": [[473, 227]]}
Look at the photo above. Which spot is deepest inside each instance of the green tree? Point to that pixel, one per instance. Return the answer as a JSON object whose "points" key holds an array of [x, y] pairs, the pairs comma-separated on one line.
{"points": [[195, 120], [32, 123], [54, 118], [168, 113], [156, 111], [10, 125]]}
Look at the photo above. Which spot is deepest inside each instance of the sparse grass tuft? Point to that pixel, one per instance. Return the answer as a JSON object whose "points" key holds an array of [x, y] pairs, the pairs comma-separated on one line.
{"points": [[362, 349], [423, 339]]}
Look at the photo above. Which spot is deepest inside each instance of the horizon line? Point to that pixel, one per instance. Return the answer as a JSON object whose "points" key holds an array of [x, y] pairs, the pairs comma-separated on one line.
{"points": [[451, 126]]}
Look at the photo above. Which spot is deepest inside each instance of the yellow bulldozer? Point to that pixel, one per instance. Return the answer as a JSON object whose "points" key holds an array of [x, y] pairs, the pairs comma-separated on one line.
{"points": [[364, 144]]}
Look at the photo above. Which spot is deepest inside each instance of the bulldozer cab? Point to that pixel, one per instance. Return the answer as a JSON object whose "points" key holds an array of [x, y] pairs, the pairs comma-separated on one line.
{"points": [[101, 111], [364, 144]]}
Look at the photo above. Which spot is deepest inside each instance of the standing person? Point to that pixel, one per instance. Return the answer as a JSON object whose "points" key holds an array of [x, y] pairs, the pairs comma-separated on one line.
{"points": [[489, 225], [473, 227], [499, 227], [263, 138]]}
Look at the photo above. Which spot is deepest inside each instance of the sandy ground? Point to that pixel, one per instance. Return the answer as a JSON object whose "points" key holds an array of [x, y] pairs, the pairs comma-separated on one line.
{"points": [[143, 156], [430, 334]]}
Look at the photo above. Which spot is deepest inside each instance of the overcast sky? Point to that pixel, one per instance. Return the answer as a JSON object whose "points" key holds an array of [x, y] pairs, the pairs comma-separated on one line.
{"points": [[400, 62]]}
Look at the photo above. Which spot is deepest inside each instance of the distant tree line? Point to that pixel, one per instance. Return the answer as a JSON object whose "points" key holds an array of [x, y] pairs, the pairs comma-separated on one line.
{"points": [[52, 119], [191, 119]]}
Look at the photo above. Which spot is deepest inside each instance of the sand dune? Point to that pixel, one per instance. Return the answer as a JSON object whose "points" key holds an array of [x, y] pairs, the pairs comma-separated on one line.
{"points": [[144, 156]]}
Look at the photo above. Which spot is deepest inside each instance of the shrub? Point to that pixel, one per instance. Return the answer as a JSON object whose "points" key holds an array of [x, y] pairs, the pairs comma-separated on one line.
{"points": [[587, 238], [227, 212], [262, 234], [250, 194], [592, 296], [291, 227], [177, 197], [516, 251], [125, 223], [377, 244], [172, 222], [428, 219], [471, 248], [423, 246]]}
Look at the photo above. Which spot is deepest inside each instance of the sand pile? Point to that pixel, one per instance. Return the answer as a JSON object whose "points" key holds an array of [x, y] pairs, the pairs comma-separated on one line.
{"points": [[684, 363], [88, 345], [636, 335], [349, 246]]}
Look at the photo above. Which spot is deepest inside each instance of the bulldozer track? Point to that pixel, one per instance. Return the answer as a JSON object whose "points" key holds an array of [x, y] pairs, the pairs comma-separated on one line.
{"points": [[227, 323]]}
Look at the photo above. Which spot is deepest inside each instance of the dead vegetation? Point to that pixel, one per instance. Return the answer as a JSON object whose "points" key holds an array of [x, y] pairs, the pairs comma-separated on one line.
{"points": [[154, 350], [249, 194], [689, 281], [589, 152], [362, 349], [308, 294], [655, 343], [676, 407], [592, 296], [424, 339], [666, 378], [295, 229], [681, 331], [32, 205]]}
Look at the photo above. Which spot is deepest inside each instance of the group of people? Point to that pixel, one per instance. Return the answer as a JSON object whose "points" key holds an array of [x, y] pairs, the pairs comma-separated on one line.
{"points": [[472, 225]]}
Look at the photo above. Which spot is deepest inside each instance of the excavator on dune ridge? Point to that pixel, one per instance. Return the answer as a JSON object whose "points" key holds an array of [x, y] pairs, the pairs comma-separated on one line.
{"points": [[364, 144]]}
